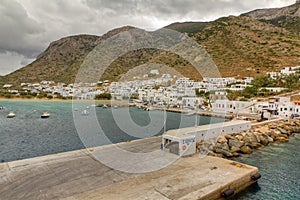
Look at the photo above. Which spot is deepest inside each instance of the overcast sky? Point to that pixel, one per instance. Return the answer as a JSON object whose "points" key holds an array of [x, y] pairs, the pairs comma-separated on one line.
{"points": [[28, 26]]}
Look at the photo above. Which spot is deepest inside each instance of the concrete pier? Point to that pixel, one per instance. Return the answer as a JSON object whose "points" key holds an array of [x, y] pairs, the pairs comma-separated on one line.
{"points": [[78, 175]]}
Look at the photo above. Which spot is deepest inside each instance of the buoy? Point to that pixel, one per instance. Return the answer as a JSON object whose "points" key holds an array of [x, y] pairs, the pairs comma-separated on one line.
{"points": [[227, 193], [256, 176]]}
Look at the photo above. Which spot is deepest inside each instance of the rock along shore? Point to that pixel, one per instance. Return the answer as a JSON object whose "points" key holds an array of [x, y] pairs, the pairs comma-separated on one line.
{"points": [[259, 136]]}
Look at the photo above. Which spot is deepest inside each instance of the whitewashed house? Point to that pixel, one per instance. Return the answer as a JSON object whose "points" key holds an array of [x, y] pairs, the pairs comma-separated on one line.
{"points": [[234, 107], [191, 102]]}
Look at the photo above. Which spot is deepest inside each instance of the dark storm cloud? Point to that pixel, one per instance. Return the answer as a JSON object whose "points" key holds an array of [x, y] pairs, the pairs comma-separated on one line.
{"points": [[18, 30], [28, 26]]}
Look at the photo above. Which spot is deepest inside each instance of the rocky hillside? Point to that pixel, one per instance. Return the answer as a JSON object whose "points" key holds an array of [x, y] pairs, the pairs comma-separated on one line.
{"points": [[287, 17], [247, 45], [243, 46], [61, 60]]}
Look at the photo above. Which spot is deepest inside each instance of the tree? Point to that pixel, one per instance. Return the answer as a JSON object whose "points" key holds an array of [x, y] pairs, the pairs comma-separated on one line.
{"points": [[103, 96]]}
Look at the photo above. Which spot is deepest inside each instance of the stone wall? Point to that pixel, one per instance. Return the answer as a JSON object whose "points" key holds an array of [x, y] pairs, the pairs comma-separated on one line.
{"points": [[258, 136]]}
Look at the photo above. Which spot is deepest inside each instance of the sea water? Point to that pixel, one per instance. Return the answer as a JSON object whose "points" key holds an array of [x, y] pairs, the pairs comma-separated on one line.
{"points": [[279, 166], [28, 135]]}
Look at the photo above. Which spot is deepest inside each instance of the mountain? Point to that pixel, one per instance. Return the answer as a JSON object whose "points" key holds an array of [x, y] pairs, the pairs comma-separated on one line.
{"points": [[246, 45], [243, 46], [286, 17], [61, 60]]}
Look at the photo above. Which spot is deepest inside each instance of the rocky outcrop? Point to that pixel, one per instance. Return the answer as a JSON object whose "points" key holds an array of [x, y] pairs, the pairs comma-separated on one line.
{"points": [[234, 145]]}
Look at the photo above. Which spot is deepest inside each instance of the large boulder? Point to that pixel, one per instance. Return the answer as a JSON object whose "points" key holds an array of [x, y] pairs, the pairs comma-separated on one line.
{"points": [[246, 150], [250, 138], [264, 139], [282, 139], [272, 126], [287, 127], [274, 133], [221, 139], [235, 149], [222, 146], [297, 123], [255, 145], [236, 154], [257, 136], [210, 153], [235, 143], [224, 152], [228, 137], [239, 137], [282, 135], [263, 129], [296, 129]]}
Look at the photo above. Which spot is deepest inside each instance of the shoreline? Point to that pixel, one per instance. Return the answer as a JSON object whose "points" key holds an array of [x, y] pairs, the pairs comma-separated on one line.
{"points": [[55, 100]]}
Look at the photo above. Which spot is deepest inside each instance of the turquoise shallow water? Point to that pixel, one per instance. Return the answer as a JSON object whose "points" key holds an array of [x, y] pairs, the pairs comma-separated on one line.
{"points": [[279, 166]]}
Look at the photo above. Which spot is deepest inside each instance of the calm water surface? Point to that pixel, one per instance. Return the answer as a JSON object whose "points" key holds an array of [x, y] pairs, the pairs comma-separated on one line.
{"points": [[27, 135]]}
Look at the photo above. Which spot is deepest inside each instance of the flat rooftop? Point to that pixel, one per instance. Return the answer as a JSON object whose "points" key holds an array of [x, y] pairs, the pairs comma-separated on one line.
{"points": [[183, 132]]}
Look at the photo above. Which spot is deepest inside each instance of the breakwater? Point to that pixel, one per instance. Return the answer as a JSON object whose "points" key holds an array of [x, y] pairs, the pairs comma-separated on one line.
{"points": [[259, 136]]}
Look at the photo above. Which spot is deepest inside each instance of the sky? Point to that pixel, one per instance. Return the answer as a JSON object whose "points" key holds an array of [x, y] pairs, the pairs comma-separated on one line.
{"points": [[28, 26]]}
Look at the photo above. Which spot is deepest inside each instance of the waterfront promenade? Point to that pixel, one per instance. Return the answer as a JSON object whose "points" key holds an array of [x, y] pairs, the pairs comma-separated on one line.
{"points": [[78, 175]]}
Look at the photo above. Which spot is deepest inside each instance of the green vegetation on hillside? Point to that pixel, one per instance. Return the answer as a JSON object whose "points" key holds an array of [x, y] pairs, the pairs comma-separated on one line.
{"points": [[187, 27], [260, 83]]}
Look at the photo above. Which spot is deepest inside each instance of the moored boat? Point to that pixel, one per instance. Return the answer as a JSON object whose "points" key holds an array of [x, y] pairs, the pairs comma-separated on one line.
{"points": [[190, 113], [45, 115], [85, 112], [11, 115]]}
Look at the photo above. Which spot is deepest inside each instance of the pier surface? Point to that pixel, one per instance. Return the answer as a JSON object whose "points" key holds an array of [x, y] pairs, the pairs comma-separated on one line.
{"points": [[78, 175]]}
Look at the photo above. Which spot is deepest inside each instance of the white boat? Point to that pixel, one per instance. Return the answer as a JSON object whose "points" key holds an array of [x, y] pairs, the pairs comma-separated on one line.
{"points": [[45, 115], [190, 113], [85, 112], [149, 109], [11, 115], [104, 106], [1, 108], [115, 107]]}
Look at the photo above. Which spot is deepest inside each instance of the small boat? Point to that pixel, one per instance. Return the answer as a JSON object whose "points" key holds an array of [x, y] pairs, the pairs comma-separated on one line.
{"points": [[11, 115], [85, 113], [116, 107], [45, 115], [190, 113], [104, 106], [148, 109], [1, 108]]}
